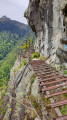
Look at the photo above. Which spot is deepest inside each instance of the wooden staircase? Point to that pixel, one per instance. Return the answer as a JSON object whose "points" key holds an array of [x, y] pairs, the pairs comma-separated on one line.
{"points": [[50, 80]]}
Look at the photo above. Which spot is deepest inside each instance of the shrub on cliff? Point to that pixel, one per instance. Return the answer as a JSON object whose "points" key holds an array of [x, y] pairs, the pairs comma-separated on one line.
{"points": [[35, 55]]}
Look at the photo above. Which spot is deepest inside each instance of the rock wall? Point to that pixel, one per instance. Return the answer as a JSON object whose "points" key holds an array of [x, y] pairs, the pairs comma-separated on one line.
{"points": [[46, 18], [23, 94]]}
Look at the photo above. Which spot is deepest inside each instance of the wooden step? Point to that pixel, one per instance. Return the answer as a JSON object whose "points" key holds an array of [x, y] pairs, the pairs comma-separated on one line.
{"points": [[56, 94], [50, 75], [53, 82], [51, 78], [59, 103], [44, 70], [45, 73], [54, 87], [47, 76], [62, 118]]}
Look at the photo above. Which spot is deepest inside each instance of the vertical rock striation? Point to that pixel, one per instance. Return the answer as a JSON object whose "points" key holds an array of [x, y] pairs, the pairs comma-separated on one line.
{"points": [[46, 18]]}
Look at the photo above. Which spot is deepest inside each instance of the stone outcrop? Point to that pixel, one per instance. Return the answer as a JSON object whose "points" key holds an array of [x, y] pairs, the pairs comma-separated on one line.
{"points": [[48, 19], [23, 94]]}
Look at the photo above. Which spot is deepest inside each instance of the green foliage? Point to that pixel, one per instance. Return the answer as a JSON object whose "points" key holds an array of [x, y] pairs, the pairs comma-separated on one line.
{"points": [[64, 110], [65, 72], [7, 42], [34, 104], [5, 67], [2, 88], [7, 105], [17, 104], [35, 55], [65, 95], [25, 62], [3, 91], [46, 100], [16, 114], [33, 78], [10, 109], [26, 45], [14, 43], [63, 66], [57, 67], [33, 101], [22, 93]]}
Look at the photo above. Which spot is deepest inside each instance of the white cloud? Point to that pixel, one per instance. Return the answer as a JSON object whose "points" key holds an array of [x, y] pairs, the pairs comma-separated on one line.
{"points": [[14, 9]]}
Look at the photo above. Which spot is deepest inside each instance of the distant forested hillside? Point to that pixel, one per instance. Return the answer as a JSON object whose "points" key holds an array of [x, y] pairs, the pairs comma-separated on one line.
{"points": [[11, 38], [7, 41]]}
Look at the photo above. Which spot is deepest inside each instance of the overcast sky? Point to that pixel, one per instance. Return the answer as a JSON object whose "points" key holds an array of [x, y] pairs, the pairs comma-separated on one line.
{"points": [[14, 9]]}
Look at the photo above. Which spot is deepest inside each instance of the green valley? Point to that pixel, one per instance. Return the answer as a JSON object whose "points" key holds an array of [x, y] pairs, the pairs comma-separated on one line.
{"points": [[10, 43]]}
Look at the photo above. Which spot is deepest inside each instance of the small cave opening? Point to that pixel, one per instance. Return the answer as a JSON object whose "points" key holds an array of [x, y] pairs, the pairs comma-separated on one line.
{"points": [[65, 11]]}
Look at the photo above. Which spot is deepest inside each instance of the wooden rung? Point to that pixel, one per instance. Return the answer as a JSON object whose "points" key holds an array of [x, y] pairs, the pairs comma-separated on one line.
{"points": [[42, 66], [39, 70], [46, 67], [50, 72], [37, 62], [46, 73], [53, 82], [42, 72], [43, 75], [50, 78], [39, 73], [54, 87], [43, 69], [50, 75], [59, 103], [62, 118], [56, 94], [47, 76]]}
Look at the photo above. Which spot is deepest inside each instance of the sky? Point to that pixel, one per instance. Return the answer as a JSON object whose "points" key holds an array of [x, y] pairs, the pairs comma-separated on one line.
{"points": [[14, 9]]}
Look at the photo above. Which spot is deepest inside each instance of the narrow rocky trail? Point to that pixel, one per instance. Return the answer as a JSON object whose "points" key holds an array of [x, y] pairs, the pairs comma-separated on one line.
{"points": [[52, 86]]}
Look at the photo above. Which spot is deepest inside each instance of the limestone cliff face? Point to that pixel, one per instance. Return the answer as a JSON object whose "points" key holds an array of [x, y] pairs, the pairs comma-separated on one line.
{"points": [[46, 18]]}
